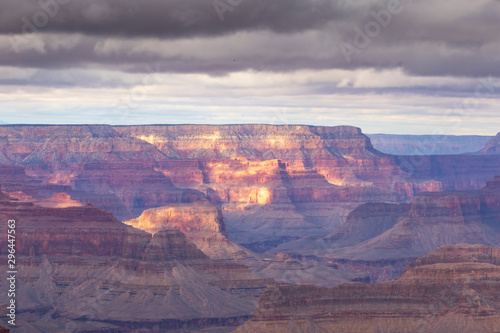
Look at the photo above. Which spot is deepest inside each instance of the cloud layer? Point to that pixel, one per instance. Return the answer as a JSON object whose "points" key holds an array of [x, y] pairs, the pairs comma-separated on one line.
{"points": [[431, 53]]}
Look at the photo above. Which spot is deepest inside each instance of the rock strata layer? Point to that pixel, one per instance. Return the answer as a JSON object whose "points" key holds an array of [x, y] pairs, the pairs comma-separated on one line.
{"points": [[453, 289], [80, 268]]}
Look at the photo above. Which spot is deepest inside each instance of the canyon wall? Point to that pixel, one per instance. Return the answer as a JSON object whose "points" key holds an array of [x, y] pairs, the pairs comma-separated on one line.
{"points": [[381, 239], [273, 183], [453, 289], [80, 268]]}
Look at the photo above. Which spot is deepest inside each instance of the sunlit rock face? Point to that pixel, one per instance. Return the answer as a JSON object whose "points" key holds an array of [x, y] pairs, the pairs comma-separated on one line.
{"points": [[453, 289], [59, 200], [201, 222], [276, 183], [341, 155], [79, 268], [98, 164]]}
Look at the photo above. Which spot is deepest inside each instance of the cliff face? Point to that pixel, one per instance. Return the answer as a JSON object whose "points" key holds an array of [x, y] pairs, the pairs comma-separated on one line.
{"points": [[79, 266], [201, 222], [404, 232], [98, 164], [273, 182], [453, 289], [342, 155], [453, 172], [492, 147]]}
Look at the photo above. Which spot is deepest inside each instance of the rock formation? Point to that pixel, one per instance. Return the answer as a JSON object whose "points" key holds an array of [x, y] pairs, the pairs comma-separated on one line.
{"points": [[201, 222], [492, 147], [111, 171], [453, 289], [378, 237], [274, 183], [79, 267]]}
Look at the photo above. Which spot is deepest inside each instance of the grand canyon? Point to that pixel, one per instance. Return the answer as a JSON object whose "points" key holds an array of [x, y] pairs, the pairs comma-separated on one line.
{"points": [[250, 228]]}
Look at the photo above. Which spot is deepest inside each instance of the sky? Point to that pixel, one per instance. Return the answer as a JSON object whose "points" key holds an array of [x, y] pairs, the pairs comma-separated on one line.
{"points": [[396, 66]]}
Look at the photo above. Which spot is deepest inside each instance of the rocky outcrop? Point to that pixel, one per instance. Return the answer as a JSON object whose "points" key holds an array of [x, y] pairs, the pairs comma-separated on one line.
{"points": [[79, 267], [367, 221], [427, 144], [454, 289], [201, 222], [58, 200], [492, 147]]}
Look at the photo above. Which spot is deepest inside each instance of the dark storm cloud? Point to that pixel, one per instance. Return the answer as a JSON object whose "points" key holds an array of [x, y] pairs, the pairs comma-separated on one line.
{"points": [[170, 18], [424, 37]]}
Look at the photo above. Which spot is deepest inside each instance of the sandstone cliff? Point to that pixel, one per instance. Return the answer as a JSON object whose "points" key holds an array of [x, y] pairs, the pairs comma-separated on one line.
{"points": [[454, 289], [201, 222]]}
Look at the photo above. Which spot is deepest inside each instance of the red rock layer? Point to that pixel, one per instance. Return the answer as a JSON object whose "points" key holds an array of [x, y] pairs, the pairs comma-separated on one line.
{"points": [[201, 222], [454, 289], [112, 171], [342, 155], [276, 183]]}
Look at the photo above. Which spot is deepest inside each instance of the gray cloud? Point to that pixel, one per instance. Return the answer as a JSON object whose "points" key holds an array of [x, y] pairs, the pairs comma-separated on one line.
{"points": [[170, 18], [452, 37]]}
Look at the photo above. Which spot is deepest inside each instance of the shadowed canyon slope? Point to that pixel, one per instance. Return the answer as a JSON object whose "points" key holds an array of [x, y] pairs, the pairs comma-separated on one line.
{"points": [[381, 238], [79, 267], [455, 289], [492, 146], [456, 172]]}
